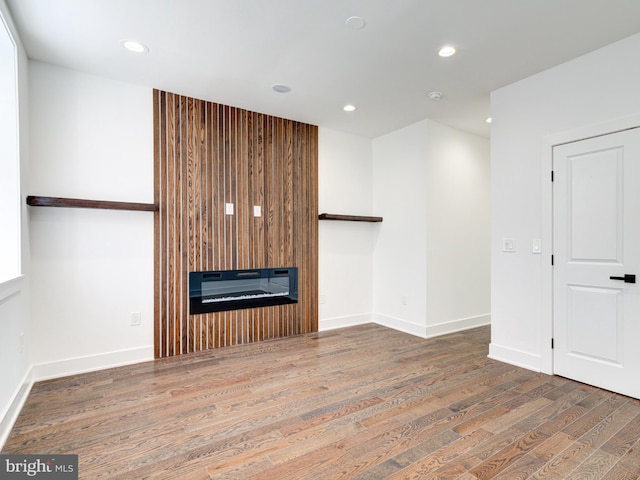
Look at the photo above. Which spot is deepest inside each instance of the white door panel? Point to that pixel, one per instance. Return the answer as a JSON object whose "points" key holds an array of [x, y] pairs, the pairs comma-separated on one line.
{"points": [[597, 236], [594, 316], [595, 206]]}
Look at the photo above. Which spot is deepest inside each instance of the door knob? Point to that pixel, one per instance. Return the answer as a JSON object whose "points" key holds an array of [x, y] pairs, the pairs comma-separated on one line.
{"points": [[628, 278]]}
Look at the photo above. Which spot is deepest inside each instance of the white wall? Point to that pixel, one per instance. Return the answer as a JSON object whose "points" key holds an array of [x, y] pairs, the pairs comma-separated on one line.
{"points": [[424, 269], [345, 186], [458, 230], [431, 256], [590, 92], [90, 138], [14, 295], [400, 256]]}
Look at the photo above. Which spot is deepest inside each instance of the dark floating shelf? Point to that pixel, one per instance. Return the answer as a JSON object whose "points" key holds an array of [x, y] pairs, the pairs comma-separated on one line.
{"points": [[348, 218], [36, 201]]}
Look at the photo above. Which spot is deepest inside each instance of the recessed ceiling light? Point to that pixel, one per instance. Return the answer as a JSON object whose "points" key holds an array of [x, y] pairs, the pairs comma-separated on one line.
{"points": [[434, 95], [278, 87], [349, 108], [446, 51], [134, 46], [488, 120], [356, 23]]}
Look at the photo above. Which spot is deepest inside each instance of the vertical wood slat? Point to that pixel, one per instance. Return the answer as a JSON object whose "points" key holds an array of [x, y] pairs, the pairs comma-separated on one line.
{"points": [[158, 153], [207, 155]]}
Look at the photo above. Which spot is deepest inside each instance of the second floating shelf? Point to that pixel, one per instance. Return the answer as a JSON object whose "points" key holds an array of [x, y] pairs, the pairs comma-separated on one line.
{"points": [[348, 218]]}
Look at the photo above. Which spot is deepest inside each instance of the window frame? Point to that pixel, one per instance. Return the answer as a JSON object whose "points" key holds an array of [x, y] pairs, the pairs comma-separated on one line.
{"points": [[11, 278]]}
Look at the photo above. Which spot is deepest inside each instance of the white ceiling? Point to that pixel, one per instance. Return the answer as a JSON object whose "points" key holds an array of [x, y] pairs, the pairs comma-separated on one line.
{"points": [[233, 51]]}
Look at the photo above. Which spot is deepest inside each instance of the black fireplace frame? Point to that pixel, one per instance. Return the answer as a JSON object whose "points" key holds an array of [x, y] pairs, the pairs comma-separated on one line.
{"points": [[222, 290]]}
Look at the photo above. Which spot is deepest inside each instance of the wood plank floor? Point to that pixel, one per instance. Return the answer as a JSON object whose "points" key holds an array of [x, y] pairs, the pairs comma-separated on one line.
{"points": [[359, 403]]}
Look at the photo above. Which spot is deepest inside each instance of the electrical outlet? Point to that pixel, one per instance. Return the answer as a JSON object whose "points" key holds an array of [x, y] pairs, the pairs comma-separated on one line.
{"points": [[136, 319], [323, 299]]}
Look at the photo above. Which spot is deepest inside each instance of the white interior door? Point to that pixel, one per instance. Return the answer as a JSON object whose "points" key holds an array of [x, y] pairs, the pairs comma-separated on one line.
{"points": [[596, 243]]}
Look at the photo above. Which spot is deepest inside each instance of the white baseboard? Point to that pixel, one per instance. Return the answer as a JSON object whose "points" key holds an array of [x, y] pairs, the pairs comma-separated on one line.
{"points": [[515, 357], [11, 414], [458, 325], [73, 366], [428, 331], [342, 322], [400, 325]]}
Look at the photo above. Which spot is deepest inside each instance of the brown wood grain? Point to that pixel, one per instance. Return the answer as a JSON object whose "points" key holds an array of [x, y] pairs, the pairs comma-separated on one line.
{"points": [[348, 218], [158, 153], [361, 402], [208, 155], [39, 201]]}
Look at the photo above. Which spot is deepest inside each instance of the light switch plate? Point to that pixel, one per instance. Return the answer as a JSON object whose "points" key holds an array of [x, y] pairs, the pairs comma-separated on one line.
{"points": [[536, 246], [257, 211], [228, 208], [508, 244]]}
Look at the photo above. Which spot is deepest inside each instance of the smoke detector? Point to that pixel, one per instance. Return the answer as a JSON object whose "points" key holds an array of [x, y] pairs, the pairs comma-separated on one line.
{"points": [[280, 88], [434, 95]]}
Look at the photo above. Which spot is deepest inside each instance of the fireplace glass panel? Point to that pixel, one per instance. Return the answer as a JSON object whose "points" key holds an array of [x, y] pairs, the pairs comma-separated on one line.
{"points": [[233, 289]]}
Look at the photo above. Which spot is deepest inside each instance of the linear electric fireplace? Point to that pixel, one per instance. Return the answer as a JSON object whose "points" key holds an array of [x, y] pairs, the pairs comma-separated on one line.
{"points": [[220, 290]]}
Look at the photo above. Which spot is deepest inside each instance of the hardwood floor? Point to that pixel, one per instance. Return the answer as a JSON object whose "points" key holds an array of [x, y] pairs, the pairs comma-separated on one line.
{"points": [[359, 403]]}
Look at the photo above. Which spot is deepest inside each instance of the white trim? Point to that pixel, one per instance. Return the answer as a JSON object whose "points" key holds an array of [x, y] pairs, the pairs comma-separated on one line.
{"points": [[546, 269], [458, 325], [400, 325], [346, 321], [14, 172], [515, 357], [74, 366], [10, 415], [10, 287], [428, 331], [593, 130], [546, 228]]}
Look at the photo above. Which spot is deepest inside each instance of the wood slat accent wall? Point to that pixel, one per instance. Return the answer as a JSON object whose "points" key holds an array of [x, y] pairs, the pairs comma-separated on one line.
{"points": [[207, 155]]}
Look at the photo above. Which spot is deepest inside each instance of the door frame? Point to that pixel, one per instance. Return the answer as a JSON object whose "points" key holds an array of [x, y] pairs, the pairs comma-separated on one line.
{"points": [[546, 216]]}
